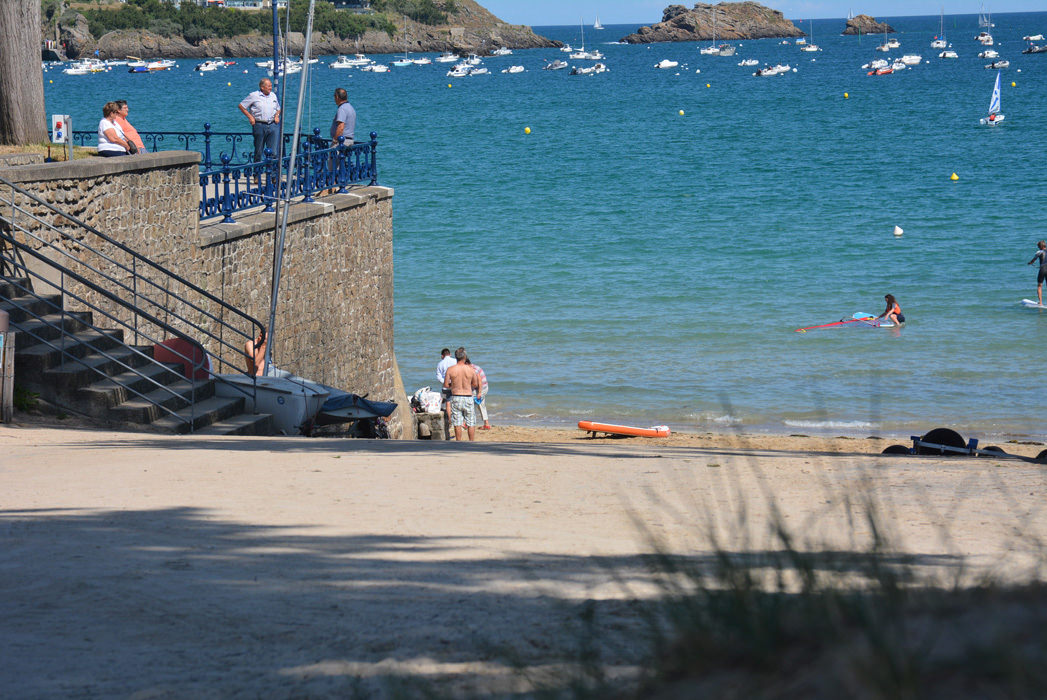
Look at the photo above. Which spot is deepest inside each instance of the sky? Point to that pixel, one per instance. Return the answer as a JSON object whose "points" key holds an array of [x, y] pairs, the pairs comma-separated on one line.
{"points": [[552, 12]]}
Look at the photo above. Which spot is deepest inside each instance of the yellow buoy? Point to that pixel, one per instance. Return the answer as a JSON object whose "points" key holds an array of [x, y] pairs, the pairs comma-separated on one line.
{"points": [[51, 81], [448, 85], [681, 112], [1014, 84], [527, 129], [227, 84], [846, 96], [954, 177], [708, 85]]}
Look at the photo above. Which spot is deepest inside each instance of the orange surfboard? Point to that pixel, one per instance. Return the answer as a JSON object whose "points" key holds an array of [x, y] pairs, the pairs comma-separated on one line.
{"points": [[610, 429]]}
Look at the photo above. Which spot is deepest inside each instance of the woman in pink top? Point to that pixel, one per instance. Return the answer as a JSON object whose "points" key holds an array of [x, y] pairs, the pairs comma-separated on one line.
{"points": [[129, 131]]}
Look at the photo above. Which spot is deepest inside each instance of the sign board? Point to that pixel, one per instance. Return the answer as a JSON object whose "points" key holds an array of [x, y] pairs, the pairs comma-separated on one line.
{"points": [[60, 131]]}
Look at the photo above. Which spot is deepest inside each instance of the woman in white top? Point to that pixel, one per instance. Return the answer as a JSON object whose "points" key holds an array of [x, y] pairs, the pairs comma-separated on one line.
{"points": [[111, 139]]}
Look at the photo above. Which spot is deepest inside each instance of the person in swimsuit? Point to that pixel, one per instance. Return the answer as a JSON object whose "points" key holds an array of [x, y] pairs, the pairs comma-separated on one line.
{"points": [[893, 312], [1041, 255]]}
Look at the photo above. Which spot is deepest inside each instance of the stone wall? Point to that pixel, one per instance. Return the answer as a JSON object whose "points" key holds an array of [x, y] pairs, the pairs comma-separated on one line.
{"points": [[335, 315]]}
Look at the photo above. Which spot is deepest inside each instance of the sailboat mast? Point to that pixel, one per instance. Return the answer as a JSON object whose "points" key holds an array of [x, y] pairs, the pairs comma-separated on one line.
{"points": [[278, 252]]}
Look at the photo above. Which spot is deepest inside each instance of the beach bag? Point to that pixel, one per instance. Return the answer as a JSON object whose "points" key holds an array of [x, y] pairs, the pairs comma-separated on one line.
{"points": [[430, 401]]}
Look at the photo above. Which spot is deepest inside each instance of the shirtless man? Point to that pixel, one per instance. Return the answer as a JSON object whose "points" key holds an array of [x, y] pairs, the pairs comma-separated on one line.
{"points": [[461, 379]]}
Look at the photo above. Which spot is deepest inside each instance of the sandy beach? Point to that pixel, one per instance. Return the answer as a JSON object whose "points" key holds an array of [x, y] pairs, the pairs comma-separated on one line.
{"points": [[148, 566]]}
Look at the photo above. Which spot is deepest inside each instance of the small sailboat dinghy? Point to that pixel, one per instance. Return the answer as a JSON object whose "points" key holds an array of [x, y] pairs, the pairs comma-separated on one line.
{"points": [[994, 117]]}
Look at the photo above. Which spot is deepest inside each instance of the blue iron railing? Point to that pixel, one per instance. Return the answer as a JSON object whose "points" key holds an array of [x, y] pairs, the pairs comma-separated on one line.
{"points": [[319, 165], [232, 181]]}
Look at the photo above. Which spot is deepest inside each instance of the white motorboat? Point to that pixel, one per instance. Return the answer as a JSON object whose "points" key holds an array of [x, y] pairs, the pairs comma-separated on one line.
{"points": [[989, 53], [209, 65], [459, 71], [666, 63], [779, 69], [749, 62], [86, 65], [513, 69], [566, 48], [1033, 37], [948, 53], [911, 59], [877, 64], [899, 65], [893, 44], [984, 38], [502, 52], [999, 64], [555, 65], [478, 70], [423, 61], [292, 401], [473, 60], [342, 62], [446, 57], [590, 70], [376, 68], [729, 50], [709, 51]]}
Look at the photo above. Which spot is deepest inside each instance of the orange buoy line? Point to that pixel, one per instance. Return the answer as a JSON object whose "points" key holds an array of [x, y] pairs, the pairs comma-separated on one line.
{"points": [[611, 429]]}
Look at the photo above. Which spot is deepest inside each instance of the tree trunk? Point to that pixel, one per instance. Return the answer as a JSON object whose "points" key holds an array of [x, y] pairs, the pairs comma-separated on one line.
{"points": [[22, 116]]}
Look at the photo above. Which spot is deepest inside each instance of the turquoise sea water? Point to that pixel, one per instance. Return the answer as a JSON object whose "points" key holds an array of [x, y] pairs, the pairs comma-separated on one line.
{"points": [[625, 263]]}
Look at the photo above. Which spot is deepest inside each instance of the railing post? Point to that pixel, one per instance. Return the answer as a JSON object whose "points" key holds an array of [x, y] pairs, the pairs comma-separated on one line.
{"points": [[269, 191], [374, 158], [134, 286], [207, 146], [340, 167], [227, 199], [304, 163]]}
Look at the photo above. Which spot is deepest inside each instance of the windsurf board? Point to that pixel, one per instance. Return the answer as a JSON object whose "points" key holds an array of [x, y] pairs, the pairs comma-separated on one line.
{"points": [[1030, 304]]}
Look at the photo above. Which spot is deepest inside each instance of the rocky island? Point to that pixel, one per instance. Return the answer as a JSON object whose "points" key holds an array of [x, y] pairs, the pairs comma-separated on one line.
{"points": [[727, 20], [864, 24], [469, 28]]}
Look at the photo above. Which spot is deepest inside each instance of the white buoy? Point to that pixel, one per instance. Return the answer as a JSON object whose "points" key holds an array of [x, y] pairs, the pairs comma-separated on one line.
{"points": [[898, 231]]}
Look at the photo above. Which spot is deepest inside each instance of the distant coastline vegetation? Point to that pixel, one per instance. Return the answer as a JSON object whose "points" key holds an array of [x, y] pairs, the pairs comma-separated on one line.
{"points": [[196, 24]]}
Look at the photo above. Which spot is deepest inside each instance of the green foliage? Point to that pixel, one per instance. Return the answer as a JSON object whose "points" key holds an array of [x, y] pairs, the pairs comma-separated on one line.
{"points": [[196, 23], [25, 400], [424, 11]]}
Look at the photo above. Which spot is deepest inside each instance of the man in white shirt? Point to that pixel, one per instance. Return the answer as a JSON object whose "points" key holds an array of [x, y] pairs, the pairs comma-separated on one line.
{"points": [[446, 361], [262, 109]]}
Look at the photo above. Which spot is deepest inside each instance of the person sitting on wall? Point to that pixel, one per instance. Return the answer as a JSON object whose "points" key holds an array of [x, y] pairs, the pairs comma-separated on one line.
{"points": [[254, 354], [111, 139], [130, 133]]}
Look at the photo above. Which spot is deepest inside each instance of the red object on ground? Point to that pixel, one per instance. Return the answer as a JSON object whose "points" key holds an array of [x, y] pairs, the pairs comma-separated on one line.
{"points": [[194, 361]]}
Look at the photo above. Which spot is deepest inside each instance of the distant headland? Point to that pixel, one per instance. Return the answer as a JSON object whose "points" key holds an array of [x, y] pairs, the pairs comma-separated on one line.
{"points": [[463, 26], [727, 20], [864, 24]]}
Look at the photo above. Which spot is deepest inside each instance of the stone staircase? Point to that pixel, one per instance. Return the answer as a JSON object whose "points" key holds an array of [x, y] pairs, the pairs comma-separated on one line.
{"points": [[100, 386]]}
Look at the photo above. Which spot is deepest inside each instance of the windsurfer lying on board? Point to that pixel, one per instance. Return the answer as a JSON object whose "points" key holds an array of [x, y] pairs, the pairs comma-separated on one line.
{"points": [[893, 312]]}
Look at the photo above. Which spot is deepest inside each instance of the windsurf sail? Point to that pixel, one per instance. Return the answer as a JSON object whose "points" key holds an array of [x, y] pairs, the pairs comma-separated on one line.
{"points": [[856, 318], [994, 101]]}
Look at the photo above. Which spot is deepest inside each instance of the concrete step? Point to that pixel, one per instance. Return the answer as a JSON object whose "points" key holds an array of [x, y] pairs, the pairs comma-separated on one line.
{"points": [[240, 424], [66, 378], [40, 356], [175, 396], [11, 287], [22, 307], [51, 326], [109, 393], [205, 413]]}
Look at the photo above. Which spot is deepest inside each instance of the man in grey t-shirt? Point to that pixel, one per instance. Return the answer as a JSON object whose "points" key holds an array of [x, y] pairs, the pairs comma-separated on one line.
{"points": [[344, 123]]}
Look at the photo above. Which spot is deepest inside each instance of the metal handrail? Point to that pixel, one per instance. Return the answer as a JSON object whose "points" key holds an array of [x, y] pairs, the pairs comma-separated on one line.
{"points": [[135, 295]]}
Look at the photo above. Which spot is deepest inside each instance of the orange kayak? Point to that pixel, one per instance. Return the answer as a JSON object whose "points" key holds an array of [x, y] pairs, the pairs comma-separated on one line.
{"points": [[594, 428]]}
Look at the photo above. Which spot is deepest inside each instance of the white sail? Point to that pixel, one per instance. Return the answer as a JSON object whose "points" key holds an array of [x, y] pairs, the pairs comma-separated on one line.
{"points": [[994, 103]]}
